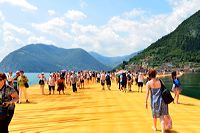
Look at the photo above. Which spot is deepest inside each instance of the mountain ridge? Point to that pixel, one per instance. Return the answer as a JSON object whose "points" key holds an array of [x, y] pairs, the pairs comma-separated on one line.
{"points": [[47, 58], [112, 61]]}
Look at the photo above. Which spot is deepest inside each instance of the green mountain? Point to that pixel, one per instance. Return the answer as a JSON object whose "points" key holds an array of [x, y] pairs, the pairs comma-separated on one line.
{"points": [[47, 58], [112, 61], [180, 47]]}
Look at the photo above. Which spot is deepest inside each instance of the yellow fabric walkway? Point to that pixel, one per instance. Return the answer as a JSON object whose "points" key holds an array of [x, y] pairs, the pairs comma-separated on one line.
{"points": [[92, 110]]}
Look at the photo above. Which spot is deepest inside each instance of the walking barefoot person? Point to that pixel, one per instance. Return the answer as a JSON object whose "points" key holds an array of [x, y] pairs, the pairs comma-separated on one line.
{"points": [[103, 79], [51, 82], [176, 87], [42, 80], [123, 82], [108, 80], [22, 79], [61, 84], [74, 80], [82, 80], [158, 107], [140, 81]]}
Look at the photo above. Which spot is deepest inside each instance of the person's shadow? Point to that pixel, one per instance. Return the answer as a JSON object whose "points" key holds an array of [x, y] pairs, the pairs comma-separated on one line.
{"points": [[171, 131], [187, 104]]}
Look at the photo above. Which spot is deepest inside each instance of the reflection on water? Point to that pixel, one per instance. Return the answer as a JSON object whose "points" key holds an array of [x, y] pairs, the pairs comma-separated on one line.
{"points": [[190, 83]]}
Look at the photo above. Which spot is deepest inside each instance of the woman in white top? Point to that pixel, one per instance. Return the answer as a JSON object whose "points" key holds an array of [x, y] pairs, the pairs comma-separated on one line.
{"points": [[10, 79], [51, 82], [140, 81], [42, 81], [103, 79]]}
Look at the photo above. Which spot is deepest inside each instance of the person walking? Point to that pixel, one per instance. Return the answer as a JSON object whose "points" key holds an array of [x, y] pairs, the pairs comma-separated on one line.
{"points": [[103, 79], [15, 82], [42, 80], [74, 80], [118, 80], [61, 84], [140, 81], [8, 97], [98, 77], [130, 81], [51, 83], [10, 79], [108, 80], [81, 80], [176, 87], [123, 82], [22, 79], [158, 107]]}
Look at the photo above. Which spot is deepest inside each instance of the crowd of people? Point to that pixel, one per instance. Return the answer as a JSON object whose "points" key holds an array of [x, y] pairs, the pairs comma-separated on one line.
{"points": [[12, 88], [67, 79]]}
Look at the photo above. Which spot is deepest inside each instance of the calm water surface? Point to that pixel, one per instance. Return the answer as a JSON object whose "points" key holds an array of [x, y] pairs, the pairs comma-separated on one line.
{"points": [[33, 77]]}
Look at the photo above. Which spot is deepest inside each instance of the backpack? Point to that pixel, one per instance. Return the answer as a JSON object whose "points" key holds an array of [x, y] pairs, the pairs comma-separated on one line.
{"points": [[107, 77], [129, 77], [41, 82]]}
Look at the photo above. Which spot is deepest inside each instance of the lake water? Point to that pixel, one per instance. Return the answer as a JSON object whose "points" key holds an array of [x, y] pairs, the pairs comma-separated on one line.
{"points": [[33, 77], [190, 84]]}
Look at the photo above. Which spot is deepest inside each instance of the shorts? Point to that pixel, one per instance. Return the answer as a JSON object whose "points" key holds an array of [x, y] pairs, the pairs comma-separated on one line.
{"points": [[82, 81], [140, 84], [102, 82], [123, 85], [51, 87]]}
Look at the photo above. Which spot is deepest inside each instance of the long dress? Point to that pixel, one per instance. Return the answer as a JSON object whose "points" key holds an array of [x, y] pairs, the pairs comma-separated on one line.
{"points": [[159, 108]]}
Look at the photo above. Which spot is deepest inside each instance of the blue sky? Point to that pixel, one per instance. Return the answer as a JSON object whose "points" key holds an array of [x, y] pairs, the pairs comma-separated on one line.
{"points": [[109, 27]]}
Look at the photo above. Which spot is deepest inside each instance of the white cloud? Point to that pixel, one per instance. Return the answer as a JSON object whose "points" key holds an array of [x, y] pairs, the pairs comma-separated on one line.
{"points": [[134, 13], [75, 15], [51, 24], [20, 3], [2, 18], [51, 12], [40, 39], [80, 29], [13, 37], [55, 27], [12, 28]]}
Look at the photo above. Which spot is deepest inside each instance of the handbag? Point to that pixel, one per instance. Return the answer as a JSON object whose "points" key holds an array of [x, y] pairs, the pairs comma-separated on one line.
{"points": [[166, 95], [26, 85], [3, 112], [41, 82]]}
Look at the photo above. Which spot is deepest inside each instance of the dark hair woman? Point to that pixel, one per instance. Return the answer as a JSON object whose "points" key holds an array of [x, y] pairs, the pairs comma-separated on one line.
{"points": [[176, 87], [8, 97], [158, 107]]}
